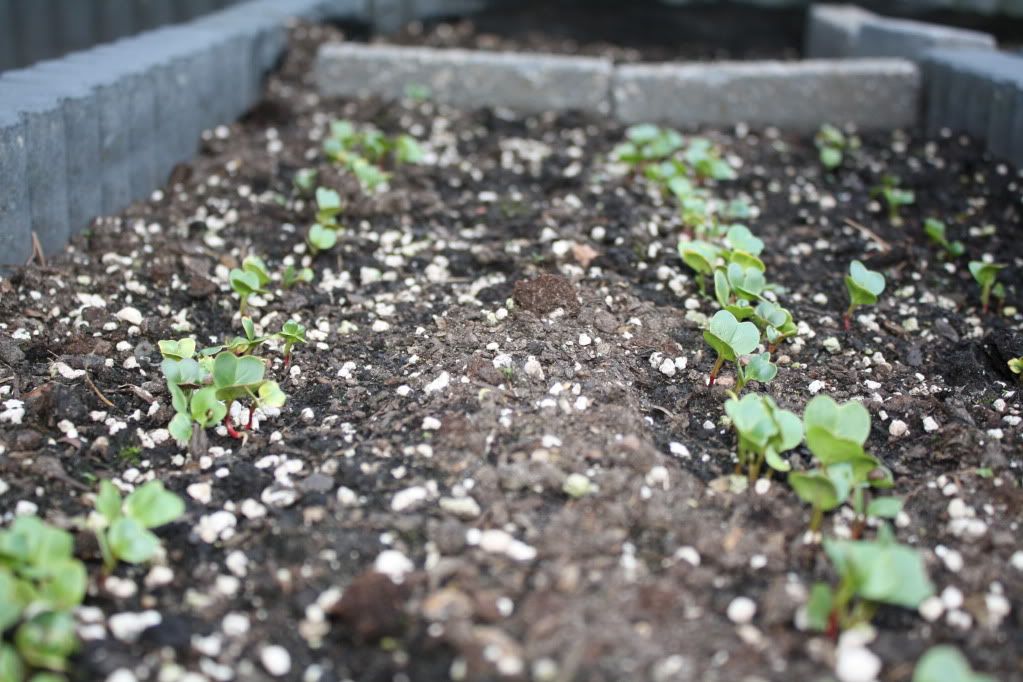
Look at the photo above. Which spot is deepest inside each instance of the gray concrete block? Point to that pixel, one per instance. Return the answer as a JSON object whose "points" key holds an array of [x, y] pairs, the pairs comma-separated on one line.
{"points": [[76, 22], [155, 13], [1014, 145], [833, 30], [872, 93], [530, 83], [35, 35], [884, 37], [116, 19], [969, 90], [45, 161], [15, 207], [81, 126], [8, 44]]}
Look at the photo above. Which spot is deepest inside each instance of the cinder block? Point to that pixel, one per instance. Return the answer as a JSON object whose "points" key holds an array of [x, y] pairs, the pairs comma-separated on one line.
{"points": [[81, 127], [8, 38], [76, 22], [45, 160], [1014, 145], [970, 90], [872, 93], [35, 35], [530, 83], [15, 207], [116, 19], [884, 37], [155, 13], [833, 30]]}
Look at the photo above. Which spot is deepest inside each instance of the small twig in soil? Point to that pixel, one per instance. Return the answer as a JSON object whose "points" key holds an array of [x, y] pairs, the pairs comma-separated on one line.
{"points": [[99, 394], [37, 251], [661, 409], [869, 234]]}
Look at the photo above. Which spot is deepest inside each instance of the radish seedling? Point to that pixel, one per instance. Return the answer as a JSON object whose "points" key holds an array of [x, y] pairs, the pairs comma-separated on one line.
{"points": [[871, 572], [704, 158], [758, 368], [291, 333], [864, 287], [775, 322], [730, 338], [1016, 366], [122, 528], [646, 143], [944, 663], [935, 229], [292, 276], [765, 432], [701, 257], [240, 345], [832, 145], [322, 234], [986, 275], [245, 284], [41, 583], [894, 196], [305, 180]]}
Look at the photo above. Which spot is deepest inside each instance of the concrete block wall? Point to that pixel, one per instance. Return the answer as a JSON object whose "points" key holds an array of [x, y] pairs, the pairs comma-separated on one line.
{"points": [[92, 132], [970, 85]]}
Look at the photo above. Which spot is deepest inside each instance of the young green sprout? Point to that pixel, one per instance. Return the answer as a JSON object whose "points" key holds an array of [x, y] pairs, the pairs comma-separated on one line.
{"points": [[1016, 366], [41, 583], [864, 287], [240, 345], [701, 257], [704, 158], [122, 527], [871, 572], [986, 275], [246, 282], [894, 197], [835, 435], [832, 144], [775, 322], [944, 663], [730, 339], [305, 180], [765, 432], [322, 234], [291, 333], [647, 143], [407, 150], [936, 231], [293, 276], [758, 368]]}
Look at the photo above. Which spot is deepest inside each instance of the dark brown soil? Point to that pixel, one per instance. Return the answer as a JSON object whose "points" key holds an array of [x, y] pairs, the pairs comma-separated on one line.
{"points": [[423, 379]]}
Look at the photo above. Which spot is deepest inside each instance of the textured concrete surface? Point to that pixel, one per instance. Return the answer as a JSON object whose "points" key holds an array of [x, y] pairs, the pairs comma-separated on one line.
{"points": [[885, 37], [15, 212], [524, 82], [832, 30], [881, 93]]}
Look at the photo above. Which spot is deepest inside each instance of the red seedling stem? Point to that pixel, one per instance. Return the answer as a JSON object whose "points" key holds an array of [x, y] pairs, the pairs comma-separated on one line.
{"points": [[230, 429], [714, 370]]}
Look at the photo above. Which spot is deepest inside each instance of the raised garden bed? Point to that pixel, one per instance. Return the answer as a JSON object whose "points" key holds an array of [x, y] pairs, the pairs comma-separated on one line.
{"points": [[503, 318]]}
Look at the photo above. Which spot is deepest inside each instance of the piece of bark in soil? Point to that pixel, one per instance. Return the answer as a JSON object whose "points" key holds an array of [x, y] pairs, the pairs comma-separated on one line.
{"points": [[372, 606]]}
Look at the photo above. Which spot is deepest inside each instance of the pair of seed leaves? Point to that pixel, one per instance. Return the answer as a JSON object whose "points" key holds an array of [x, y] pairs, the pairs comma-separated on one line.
{"points": [[765, 428], [323, 233], [864, 285], [880, 571], [250, 278], [40, 582], [124, 533], [835, 435]]}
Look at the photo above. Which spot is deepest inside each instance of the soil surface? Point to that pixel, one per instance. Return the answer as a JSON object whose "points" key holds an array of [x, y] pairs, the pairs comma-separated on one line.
{"points": [[498, 319]]}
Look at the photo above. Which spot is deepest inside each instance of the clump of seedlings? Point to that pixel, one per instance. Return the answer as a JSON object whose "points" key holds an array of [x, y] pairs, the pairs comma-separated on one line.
{"points": [[944, 663], [363, 151], [248, 280], [292, 276], [864, 287], [730, 339], [835, 435], [894, 197], [123, 526], [645, 143], [870, 572], [41, 583], [765, 432], [323, 233], [986, 275], [937, 233], [832, 145], [202, 391]]}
